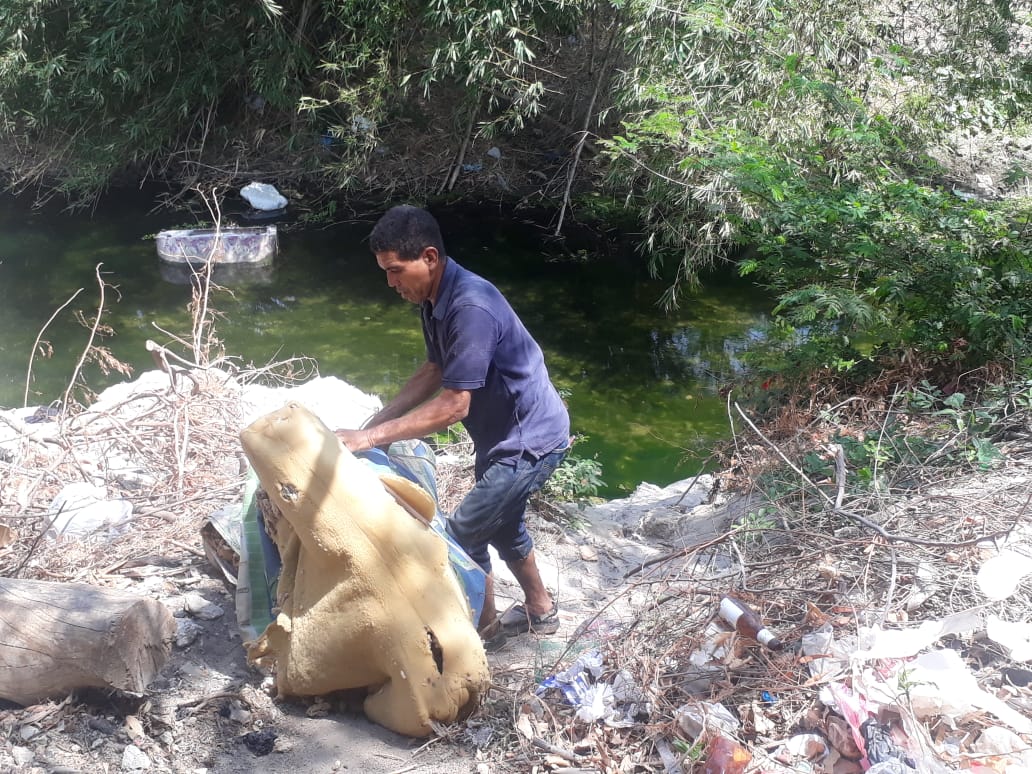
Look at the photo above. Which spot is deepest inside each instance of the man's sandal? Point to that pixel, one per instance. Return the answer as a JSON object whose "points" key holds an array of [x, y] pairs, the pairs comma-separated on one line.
{"points": [[494, 637], [516, 620]]}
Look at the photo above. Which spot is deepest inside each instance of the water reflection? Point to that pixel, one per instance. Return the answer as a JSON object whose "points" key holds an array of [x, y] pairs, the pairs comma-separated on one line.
{"points": [[227, 274], [687, 354], [642, 384]]}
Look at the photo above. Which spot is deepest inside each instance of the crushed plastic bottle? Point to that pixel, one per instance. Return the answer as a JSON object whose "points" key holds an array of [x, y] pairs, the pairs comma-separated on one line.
{"points": [[725, 756], [747, 622]]}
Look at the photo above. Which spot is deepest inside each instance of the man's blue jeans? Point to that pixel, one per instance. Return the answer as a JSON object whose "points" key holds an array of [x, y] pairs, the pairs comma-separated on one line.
{"points": [[493, 513]]}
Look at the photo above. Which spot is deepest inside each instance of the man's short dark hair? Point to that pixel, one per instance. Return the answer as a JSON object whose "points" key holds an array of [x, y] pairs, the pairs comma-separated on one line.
{"points": [[406, 230]]}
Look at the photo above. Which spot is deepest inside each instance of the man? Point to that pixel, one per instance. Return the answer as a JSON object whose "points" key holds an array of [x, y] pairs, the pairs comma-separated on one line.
{"points": [[484, 369]]}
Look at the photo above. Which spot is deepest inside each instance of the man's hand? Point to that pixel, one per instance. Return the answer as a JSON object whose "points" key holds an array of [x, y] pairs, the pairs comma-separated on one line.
{"points": [[355, 440]]}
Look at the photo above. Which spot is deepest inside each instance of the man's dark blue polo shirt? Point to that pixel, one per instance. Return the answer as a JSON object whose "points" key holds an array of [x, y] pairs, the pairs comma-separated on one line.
{"points": [[480, 344]]}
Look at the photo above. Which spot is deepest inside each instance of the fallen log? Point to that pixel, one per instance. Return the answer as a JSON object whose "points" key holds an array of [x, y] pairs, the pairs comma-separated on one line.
{"points": [[56, 637]]}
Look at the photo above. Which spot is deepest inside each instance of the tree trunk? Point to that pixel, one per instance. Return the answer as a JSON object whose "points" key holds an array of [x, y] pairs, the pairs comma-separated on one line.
{"points": [[56, 637]]}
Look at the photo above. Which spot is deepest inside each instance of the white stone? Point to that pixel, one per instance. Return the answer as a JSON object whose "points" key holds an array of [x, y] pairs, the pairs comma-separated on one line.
{"points": [[199, 607], [23, 756], [135, 759], [187, 632], [28, 732]]}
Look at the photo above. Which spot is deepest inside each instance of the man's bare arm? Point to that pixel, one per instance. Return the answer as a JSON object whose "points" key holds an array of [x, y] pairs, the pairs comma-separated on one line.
{"points": [[439, 413], [420, 387]]}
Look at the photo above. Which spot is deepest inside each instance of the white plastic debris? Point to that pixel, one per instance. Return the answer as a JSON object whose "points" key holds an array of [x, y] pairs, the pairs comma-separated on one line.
{"points": [[940, 684], [362, 125], [696, 717], [81, 509], [263, 196], [596, 703], [827, 659], [902, 643], [494, 153], [1000, 575], [997, 741], [808, 746], [1015, 637]]}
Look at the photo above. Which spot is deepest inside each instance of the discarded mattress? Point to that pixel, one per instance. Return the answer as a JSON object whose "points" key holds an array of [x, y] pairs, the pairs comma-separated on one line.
{"points": [[366, 593]]}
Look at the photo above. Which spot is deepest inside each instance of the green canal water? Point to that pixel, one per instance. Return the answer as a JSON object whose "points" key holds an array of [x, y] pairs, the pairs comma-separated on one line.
{"points": [[642, 385]]}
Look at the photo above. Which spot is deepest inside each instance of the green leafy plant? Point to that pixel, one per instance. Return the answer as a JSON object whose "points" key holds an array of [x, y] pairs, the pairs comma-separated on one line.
{"points": [[576, 478]]}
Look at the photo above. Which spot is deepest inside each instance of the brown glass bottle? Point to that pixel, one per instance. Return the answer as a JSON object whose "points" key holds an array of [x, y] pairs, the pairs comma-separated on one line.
{"points": [[747, 622]]}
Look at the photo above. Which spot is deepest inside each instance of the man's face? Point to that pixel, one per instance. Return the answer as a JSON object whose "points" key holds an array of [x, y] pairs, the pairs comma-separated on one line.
{"points": [[413, 280]]}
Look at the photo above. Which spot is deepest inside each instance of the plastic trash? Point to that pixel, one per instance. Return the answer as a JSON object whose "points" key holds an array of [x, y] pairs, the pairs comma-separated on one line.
{"points": [[1016, 637], [81, 509], [880, 746], [695, 718], [811, 747], [891, 767], [620, 703], [263, 196], [941, 684], [725, 756], [1004, 743], [1000, 575], [902, 643], [827, 661]]}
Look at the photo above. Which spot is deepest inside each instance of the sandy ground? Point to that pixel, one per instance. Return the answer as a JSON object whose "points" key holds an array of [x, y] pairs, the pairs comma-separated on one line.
{"points": [[207, 698]]}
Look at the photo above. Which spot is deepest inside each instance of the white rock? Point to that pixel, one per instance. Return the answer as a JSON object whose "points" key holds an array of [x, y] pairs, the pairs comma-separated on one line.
{"points": [[199, 607], [187, 632], [23, 756], [28, 732], [135, 759]]}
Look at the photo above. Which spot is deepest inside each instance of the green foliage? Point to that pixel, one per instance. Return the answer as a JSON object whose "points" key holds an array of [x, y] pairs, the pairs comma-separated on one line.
{"points": [[93, 87], [576, 478], [381, 62], [806, 141]]}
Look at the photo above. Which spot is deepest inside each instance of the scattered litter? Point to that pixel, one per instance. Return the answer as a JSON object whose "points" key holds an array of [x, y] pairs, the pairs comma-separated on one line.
{"points": [[82, 509], [1003, 743], [880, 745], [747, 622], [263, 196], [827, 659], [1016, 637], [940, 684], [880, 643], [725, 756], [700, 717], [1000, 575], [619, 703], [811, 747]]}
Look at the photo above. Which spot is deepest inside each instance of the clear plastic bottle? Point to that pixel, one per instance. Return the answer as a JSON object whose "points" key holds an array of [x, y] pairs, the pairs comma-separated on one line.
{"points": [[747, 622], [725, 756]]}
